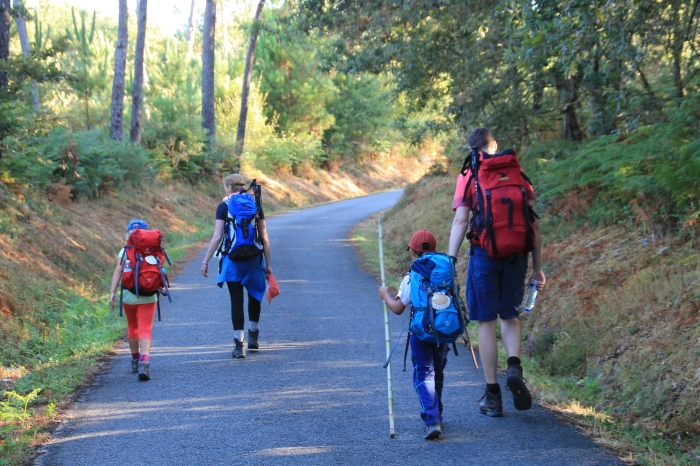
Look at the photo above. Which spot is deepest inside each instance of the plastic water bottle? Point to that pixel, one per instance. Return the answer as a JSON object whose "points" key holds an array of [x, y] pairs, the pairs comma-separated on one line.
{"points": [[531, 295]]}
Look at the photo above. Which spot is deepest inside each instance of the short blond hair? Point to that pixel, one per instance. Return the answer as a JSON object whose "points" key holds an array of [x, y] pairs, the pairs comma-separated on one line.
{"points": [[234, 182]]}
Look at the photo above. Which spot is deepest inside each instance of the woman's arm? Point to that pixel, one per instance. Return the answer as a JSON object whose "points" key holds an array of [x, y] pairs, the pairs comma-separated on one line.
{"points": [[460, 224], [213, 244], [116, 276], [262, 227], [537, 274]]}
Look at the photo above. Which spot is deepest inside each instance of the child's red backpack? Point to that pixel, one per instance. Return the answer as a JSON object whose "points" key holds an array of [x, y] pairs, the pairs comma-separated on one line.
{"points": [[502, 226], [144, 272]]}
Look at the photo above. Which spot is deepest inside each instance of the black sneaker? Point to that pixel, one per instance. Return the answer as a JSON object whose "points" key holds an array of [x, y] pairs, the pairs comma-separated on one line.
{"points": [[491, 405], [144, 370], [134, 366], [238, 349], [253, 339], [516, 384], [433, 432]]}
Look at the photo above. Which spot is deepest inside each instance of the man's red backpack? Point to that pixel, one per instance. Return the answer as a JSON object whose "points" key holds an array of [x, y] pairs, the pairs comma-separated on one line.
{"points": [[144, 260], [502, 225]]}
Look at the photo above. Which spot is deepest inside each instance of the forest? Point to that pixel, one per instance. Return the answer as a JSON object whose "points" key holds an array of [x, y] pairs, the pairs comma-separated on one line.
{"points": [[600, 97], [66, 72]]}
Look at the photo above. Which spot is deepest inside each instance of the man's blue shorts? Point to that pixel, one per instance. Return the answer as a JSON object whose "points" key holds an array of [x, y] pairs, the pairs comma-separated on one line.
{"points": [[495, 287]]}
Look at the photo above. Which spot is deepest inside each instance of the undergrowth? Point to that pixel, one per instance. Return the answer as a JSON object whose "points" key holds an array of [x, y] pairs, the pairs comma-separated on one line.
{"points": [[56, 321]]}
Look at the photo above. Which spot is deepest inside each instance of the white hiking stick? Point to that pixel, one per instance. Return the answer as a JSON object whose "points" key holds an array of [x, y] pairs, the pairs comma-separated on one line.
{"points": [[392, 434]]}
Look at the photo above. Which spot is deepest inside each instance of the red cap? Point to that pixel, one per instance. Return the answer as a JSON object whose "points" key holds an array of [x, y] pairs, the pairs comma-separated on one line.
{"points": [[422, 241]]}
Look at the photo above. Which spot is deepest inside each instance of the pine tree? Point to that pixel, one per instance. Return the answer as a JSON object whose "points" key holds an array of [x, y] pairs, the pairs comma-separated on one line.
{"points": [[20, 12], [137, 94], [117, 126], [4, 37], [190, 31], [240, 135], [208, 57]]}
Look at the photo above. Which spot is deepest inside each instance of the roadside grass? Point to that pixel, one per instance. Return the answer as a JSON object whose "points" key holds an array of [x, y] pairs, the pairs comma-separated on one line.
{"points": [[56, 322], [612, 343]]}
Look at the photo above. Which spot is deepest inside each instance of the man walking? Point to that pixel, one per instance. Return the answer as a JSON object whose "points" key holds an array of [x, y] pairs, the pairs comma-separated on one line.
{"points": [[503, 230]]}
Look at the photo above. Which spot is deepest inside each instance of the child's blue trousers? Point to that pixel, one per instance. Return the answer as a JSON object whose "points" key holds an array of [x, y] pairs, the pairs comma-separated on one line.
{"points": [[429, 362]]}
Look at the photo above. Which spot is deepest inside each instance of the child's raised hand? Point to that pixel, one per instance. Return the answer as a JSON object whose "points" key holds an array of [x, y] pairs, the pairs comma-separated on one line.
{"points": [[383, 291]]}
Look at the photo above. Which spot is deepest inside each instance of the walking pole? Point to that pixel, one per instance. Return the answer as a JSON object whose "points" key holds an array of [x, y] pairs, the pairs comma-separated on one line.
{"points": [[392, 434]]}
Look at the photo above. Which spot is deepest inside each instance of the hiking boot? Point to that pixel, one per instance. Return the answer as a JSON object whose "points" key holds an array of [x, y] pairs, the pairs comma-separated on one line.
{"points": [[516, 384], [433, 432], [253, 339], [134, 366], [491, 405], [144, 370], [238, 349]]}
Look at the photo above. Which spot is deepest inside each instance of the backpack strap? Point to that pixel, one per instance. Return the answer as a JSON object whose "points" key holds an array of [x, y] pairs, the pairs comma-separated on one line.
{"points": [[431, 312], [388, 359], [136, 274], [158, 305], [489, 223], [121, 285], [529, 233], [466, 188], [405, 353], [479, 195], [165, 285]]}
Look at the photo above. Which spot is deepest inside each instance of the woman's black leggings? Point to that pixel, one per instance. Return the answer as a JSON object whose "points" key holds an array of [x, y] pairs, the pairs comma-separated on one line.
{"points": [[235, 289]]}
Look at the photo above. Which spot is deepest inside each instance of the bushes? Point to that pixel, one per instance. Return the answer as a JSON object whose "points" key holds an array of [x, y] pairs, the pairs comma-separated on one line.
{"points": [[86, 160], [648, 175]]}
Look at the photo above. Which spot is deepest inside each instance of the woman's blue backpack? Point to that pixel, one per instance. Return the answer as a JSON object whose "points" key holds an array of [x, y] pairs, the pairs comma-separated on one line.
{"points": [[437, 315], [241, 236]]}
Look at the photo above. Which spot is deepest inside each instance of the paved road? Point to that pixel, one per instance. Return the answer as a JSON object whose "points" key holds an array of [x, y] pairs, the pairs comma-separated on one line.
{"points": [[314, 394]]}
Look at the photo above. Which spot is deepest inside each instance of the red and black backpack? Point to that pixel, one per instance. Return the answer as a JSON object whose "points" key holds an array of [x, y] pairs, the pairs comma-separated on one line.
{"points": [[144, 260], [502, 225]]}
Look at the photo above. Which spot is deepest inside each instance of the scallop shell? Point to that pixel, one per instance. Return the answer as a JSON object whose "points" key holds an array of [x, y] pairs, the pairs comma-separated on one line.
{"points": [[441, 301]]}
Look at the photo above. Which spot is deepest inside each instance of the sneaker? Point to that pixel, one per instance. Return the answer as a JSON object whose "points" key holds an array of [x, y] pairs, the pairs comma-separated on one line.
{"points": [[238, 349], [253, 339], [144, 370], [433, 432], [491, 405], [134, 366], [516, 384]]}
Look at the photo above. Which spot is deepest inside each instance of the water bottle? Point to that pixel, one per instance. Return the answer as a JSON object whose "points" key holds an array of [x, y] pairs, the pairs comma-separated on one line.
{"points": [[531, 295]]}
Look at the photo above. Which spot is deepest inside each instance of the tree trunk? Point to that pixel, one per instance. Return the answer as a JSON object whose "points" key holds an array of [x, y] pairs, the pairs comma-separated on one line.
{"points": [[240, 135], [4, 37], [137, 95], [568, 94], [4, 44], [190, 31], [678, 71], [208, 44], [117, 128], [26, 46], [224, 29]]}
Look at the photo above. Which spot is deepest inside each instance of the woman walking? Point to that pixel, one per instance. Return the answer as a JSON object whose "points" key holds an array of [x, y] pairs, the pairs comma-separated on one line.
{"points": [[139, 311], [239, 271]]}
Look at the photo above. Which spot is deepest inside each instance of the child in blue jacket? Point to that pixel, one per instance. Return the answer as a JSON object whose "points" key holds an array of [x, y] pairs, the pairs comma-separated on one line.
{"points": [[428, 358]]}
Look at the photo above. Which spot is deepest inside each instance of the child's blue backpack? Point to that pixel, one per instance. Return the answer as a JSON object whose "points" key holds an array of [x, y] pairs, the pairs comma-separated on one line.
{"points": [[241, 236], [436, 314]]}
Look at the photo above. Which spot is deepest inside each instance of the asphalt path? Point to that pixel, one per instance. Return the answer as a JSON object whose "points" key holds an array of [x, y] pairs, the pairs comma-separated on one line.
{"points": [[315, 393]]}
